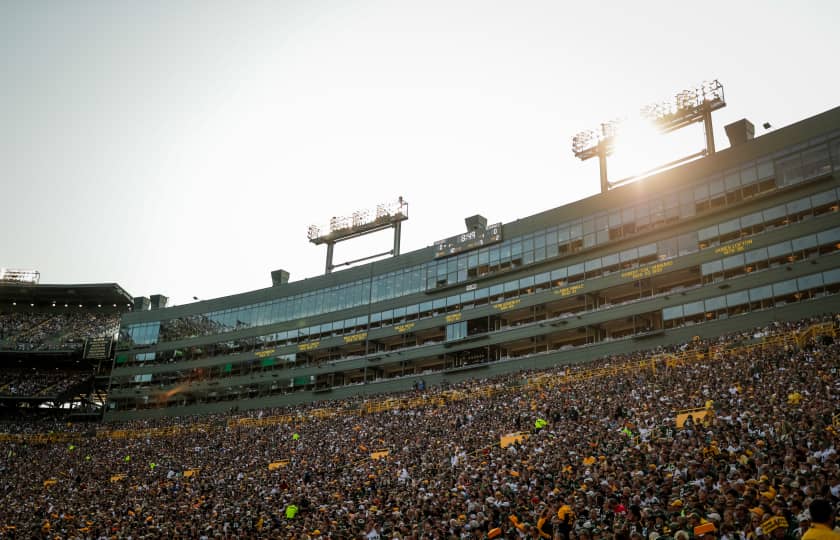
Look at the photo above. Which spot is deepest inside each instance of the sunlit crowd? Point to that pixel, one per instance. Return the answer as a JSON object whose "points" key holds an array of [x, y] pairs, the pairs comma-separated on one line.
{"points": [[528, 455]]}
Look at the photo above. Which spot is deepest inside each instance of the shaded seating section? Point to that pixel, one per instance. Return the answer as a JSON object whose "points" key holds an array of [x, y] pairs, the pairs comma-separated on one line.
{"points": [[56, 330], [35, 382]]}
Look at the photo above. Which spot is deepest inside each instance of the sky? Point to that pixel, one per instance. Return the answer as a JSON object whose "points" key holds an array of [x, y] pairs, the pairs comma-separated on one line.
{"points": [[183, 148]]}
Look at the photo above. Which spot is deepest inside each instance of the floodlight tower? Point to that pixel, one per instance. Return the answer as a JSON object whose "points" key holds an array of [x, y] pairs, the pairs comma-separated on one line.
{"points": [[685, 108], [359, 224]]}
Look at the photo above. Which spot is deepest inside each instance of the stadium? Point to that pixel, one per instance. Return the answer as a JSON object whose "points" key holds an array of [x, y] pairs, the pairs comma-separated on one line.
{"points": [[655, 361]]}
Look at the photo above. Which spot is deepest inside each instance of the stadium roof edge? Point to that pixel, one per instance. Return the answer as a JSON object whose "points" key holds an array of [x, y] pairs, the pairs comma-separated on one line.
{"points": [[102, 293]]}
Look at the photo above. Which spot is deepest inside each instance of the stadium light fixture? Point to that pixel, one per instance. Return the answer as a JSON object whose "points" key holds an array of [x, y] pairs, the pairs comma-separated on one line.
{"points": [[683, 109], [360, 223]]}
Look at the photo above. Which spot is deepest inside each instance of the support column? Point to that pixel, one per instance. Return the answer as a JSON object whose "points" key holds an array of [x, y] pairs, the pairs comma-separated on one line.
{"points": [[602, 165], [329, 268], [397, 234], [707, 127]]}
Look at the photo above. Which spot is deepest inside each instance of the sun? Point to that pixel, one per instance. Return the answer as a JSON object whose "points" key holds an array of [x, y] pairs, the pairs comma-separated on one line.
{"points": [[639, 148]]}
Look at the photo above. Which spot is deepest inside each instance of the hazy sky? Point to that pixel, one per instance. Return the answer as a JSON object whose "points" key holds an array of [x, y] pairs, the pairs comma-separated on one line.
{"points": [[184, 147]]}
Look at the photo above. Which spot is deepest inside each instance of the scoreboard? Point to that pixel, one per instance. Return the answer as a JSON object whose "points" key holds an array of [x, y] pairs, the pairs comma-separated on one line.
{"points": [[469, 240]]}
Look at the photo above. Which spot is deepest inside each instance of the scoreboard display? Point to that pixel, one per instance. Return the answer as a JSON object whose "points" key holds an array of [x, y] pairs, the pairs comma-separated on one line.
{"points": [[469, 240]]}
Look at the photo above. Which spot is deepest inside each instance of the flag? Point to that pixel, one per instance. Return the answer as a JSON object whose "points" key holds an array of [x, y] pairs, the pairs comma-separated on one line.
{"points": [[379, 454], [295, 437]]}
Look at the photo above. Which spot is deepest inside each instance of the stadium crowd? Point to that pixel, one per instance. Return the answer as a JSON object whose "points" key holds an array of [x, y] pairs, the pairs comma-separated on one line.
{"points": [[39, 382], [38, 331], [599, 458]]}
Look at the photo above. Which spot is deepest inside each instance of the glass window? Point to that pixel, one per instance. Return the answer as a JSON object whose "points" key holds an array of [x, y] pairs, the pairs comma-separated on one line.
{"points": [[732, 179], [707, 233], [693, 308], [576, 270], [716, 186], [647, 250], [830, 236], [456, 330], [558, 274], [734, 261], [748, 175], [592, 265], [629, 255], [804, 242], [835, 154], [730, 226], [813, 281], [826, 197], [610, 260], [737, 298], [711, 267], [784, 288], [687, 243], [778, 250], [772, 214], [761, 293], [751, 220], [716, 303], [667, 248], [790, 169], [765, 169], [563, 235], [815, 162], [832, 276], [801, 205], [670, 313], [755, 255]]}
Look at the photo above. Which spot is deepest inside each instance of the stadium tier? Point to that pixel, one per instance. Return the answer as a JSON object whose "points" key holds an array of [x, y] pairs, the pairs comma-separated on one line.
{"points": [[56, 346], [745, 236]]}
